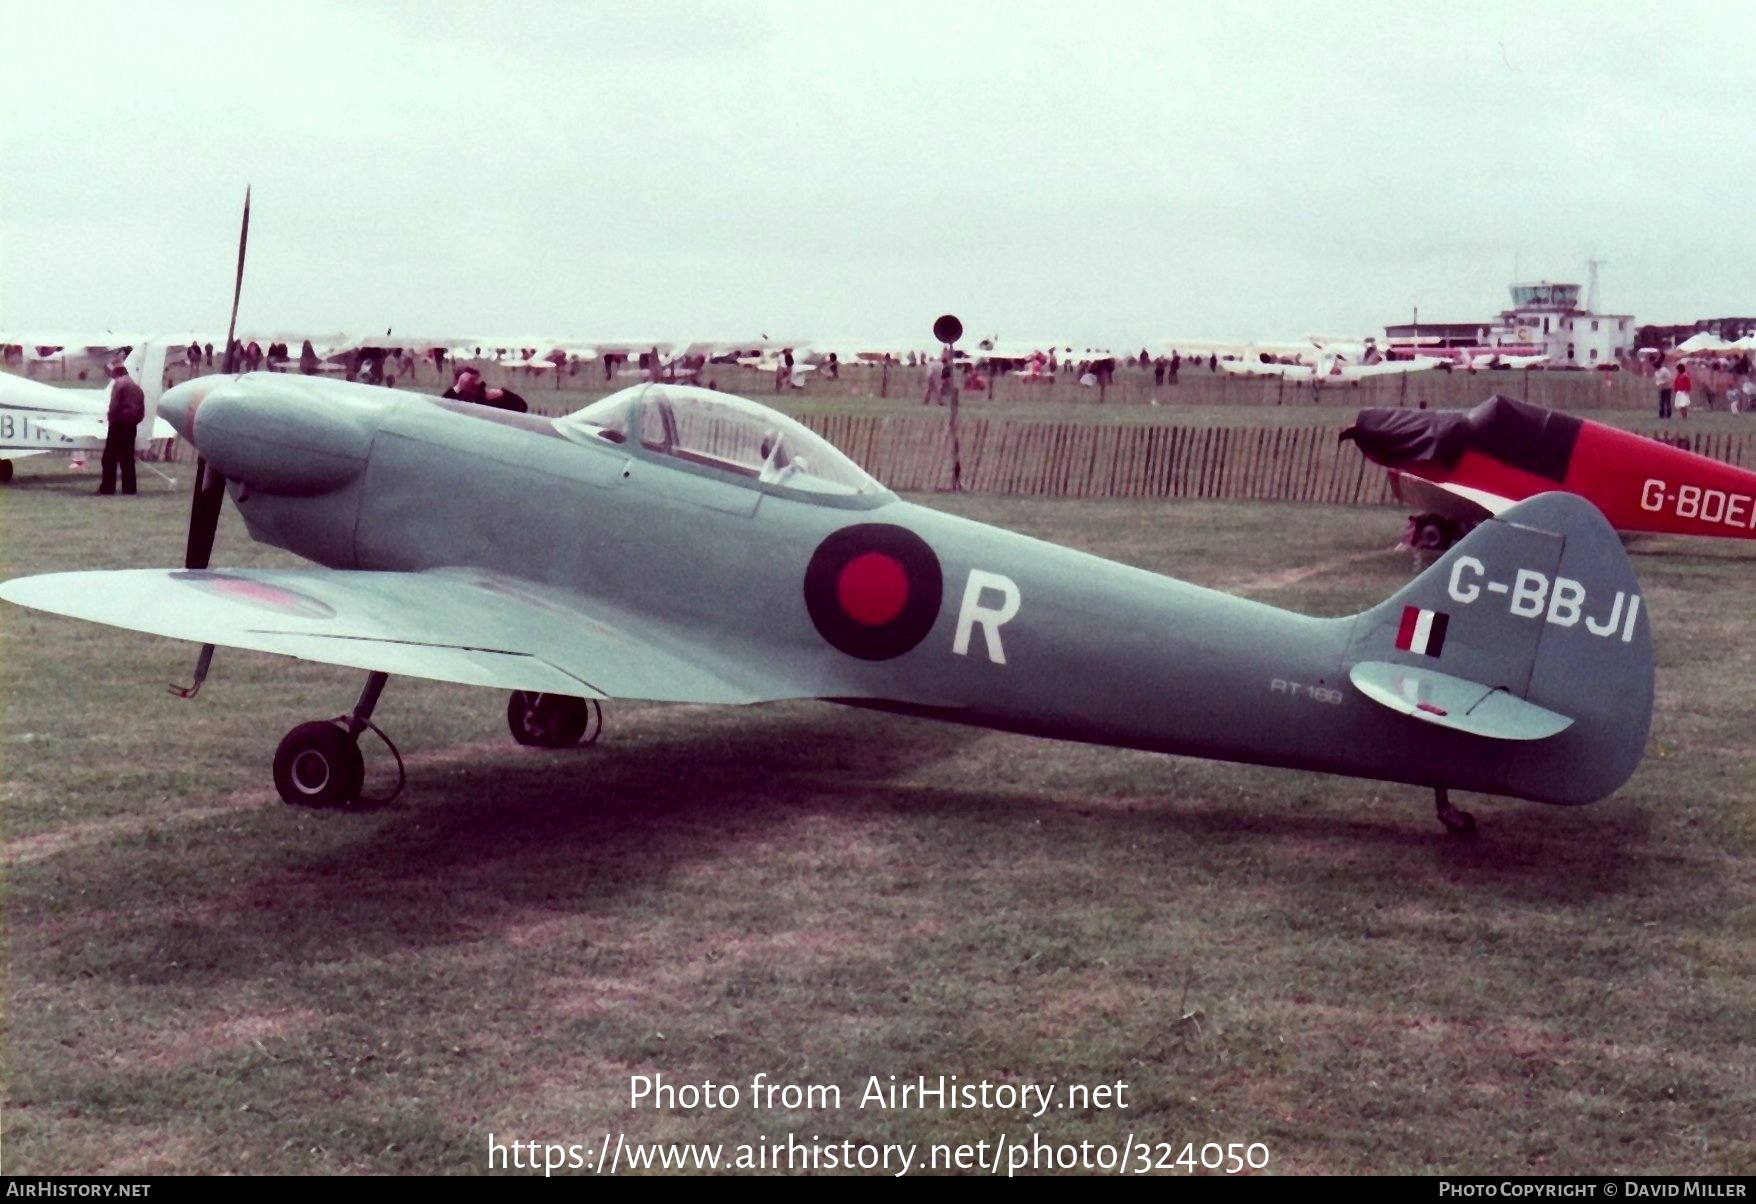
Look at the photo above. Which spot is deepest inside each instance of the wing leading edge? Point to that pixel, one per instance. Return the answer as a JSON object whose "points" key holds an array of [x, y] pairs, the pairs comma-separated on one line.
{"points": [[453, 625]]}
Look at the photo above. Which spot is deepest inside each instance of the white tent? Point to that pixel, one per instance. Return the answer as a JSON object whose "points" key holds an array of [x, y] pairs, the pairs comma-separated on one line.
{"points": [[1702, 343]]}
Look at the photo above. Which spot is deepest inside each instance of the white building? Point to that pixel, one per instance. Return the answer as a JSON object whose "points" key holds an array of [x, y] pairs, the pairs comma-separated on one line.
{"points": [[1545, 319]]}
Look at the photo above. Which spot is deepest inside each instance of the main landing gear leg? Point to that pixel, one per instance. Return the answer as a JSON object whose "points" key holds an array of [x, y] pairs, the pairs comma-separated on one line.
{"points": [[1458, 823], [361, 719], [319, 764]]}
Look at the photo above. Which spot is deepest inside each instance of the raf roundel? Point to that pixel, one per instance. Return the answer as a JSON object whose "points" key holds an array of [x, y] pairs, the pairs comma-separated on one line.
{"points": [[873, 590]]}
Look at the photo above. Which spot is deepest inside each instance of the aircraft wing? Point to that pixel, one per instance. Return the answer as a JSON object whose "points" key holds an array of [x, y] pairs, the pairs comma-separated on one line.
{"points": [[1389, 368], [456, 625], [1247, 368], [75, 427], [1444, 497]]}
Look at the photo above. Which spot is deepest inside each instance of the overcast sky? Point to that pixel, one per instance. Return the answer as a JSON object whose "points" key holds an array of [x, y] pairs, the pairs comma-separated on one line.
{"points": [[666, 168]]}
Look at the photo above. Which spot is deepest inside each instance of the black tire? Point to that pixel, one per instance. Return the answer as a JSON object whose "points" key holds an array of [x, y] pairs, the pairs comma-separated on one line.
{"points": [[318, 765], [5, 471], [550, 720], [1431, 534], [1459, 823]]}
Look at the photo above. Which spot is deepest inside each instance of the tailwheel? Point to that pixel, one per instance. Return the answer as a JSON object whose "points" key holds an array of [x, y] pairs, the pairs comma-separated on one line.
{"points": [[1458, 823], [318, 765], [553, 720], [5, 471]]}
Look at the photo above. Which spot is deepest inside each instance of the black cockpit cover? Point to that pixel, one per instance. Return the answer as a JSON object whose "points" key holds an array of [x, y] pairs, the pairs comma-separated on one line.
{"points": [[1514, 432]]}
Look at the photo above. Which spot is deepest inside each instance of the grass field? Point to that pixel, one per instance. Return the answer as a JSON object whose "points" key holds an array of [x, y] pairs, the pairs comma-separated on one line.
{"points": [[202, 979]]}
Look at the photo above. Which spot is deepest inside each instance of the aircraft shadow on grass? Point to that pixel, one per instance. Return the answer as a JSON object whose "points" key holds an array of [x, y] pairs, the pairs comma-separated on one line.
{"points": [[604, 833]]}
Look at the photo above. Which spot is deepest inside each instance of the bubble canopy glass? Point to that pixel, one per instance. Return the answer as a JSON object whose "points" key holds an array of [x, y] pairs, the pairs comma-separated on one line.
{"points": [[723, 432]]}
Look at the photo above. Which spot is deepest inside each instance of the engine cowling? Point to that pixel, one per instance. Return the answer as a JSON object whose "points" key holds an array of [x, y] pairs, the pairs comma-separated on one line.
{"points": [[287, 435]]}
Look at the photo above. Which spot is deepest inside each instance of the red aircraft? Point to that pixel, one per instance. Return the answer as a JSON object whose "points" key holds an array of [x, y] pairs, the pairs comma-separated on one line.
{"points": [[1458, 467]]}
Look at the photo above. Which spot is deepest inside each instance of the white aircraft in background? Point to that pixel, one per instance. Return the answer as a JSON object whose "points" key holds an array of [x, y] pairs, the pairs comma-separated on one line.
{"points": [[37, 418], [65, 354], [1490, 361], [1327, 366]]}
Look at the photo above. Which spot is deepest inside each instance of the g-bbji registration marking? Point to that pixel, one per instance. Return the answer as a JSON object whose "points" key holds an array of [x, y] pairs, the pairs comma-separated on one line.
{"points": [[1532, 595]]}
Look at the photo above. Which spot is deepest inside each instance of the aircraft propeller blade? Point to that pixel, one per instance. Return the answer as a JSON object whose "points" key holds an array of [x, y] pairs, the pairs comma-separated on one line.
{"points": [[204, 512], [238, 288], [210, 485]]}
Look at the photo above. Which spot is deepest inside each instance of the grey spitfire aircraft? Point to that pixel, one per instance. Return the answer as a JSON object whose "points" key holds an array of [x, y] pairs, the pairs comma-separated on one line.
{"points": [[683, 545]]}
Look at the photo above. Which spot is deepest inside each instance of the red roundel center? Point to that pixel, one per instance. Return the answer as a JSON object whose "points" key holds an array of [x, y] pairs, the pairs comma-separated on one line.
{"points": [[872, 589]]}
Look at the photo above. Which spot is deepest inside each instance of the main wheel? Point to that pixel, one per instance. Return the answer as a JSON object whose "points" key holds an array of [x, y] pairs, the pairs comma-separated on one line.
{"points": [[551, 720], [5, 471], [1431, 534], [1458, 823], [318, 765]]}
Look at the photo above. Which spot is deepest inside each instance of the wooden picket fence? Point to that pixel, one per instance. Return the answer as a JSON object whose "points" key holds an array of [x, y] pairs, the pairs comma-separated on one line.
{"points": [[913, 453], [1048, 459]]}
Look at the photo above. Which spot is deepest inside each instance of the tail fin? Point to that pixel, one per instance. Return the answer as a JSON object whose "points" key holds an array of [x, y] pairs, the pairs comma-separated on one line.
{"points": [[146, 364], [1532, 635]]}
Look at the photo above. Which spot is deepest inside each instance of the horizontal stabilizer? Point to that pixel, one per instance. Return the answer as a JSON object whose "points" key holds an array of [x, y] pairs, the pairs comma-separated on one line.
{"points": [[1465, 706]]}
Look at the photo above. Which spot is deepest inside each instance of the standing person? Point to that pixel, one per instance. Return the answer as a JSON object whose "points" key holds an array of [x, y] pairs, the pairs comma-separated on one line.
{"points": [[127, 412], [192, 357], [1664, 378], [308, 359], [1176, 365], [1685, 383], [938, 380]]}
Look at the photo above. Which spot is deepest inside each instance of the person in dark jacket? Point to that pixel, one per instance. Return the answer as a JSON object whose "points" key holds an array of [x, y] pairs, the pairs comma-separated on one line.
{"points": [[127, 412], [468, 385]]}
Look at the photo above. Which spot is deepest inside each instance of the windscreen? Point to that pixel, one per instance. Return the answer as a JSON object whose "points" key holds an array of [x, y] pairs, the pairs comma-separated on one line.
{"points": [[723, 432]]}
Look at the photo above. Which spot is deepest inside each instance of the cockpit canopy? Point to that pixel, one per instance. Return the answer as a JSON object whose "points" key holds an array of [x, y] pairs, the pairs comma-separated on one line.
{"points": [[720, 431]]}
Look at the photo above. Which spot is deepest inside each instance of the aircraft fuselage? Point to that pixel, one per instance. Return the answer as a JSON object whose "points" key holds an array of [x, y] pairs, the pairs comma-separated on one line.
{"points": [[892, 604]]}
